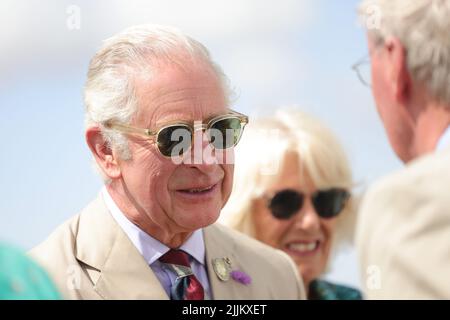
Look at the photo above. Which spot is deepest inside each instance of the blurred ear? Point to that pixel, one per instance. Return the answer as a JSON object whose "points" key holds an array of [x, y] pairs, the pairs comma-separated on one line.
{"points": [[399, 76], [104, 156]]}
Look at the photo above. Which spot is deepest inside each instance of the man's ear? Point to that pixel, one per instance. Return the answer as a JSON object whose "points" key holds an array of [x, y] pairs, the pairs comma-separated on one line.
{"points": [[399, 75], [104, 156]]}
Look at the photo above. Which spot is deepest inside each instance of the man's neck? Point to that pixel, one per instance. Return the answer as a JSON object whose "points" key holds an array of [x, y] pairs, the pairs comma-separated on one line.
{"points": [[430, 126], [164, 234]]}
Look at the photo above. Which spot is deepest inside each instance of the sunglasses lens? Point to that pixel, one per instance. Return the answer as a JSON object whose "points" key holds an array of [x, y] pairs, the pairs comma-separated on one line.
{"points": [[225, 133], [285, 204], [174, 140], [330, 203]]}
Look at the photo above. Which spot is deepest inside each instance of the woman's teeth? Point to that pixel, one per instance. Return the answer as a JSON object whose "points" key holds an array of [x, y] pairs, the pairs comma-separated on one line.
{"points": [[304, 247]]}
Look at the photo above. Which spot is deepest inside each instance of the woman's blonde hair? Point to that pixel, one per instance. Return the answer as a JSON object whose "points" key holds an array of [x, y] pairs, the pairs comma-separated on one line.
{"points": [[260, 154]]}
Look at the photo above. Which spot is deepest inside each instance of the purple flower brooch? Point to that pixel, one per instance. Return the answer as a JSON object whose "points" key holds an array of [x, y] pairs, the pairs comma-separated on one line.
{"points": [[222, 268]]}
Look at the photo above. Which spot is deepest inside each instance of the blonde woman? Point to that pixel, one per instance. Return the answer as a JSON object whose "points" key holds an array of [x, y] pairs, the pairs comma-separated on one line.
{"points": [[292, 191]]}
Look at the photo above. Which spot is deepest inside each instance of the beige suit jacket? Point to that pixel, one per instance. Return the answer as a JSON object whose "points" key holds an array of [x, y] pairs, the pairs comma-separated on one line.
{"points": [[403, 234], [90, 257]]}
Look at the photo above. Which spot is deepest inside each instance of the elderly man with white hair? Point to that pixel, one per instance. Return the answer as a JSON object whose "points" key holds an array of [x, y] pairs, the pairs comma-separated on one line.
{"points": [[404, 226], [161, 132]]}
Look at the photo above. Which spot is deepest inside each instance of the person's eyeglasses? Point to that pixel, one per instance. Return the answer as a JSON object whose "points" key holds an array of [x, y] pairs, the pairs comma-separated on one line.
{"points": [[327, 203], [223, 132], [363, 71]]}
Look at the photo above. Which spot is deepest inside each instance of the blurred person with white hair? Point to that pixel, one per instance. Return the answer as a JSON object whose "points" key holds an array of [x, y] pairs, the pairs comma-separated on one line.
{"points": [[403, 234], [160, 128], [292, 191]]}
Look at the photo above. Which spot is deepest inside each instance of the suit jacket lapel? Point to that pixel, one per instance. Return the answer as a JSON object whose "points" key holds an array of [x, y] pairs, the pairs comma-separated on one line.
{"points": [[124, 274], [102, 244], [216, 247]]}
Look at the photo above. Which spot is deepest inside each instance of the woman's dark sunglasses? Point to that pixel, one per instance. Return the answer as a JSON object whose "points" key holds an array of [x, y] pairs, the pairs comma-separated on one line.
{"points": [[327, 203], [223, 132]]}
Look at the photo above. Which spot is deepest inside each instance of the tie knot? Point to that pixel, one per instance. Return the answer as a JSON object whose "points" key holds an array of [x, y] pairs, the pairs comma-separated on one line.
{"points": [[186, 285], [177, 257]]}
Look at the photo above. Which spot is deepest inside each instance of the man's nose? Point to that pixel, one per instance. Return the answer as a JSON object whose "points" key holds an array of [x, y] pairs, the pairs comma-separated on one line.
{"points": [[203, 155]]}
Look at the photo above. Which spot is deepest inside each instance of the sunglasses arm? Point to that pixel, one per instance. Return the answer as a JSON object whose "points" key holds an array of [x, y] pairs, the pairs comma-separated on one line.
{"points": [[131, 130]]}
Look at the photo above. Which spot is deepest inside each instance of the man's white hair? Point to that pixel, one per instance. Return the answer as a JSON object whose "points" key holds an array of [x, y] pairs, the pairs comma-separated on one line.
{"points": [[110, 93], [423, 27]]}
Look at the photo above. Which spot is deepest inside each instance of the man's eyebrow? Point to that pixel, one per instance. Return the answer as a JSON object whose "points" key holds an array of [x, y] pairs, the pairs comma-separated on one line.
{"points": [[175, 117], [171, 119]]}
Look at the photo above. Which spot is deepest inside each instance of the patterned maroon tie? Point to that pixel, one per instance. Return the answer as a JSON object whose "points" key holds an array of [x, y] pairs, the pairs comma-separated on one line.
{"points": [[186, 286]]}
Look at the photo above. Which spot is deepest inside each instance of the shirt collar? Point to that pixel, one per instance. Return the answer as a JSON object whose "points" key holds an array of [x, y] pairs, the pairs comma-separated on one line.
{"points": [[150, 248], [444, 140]]}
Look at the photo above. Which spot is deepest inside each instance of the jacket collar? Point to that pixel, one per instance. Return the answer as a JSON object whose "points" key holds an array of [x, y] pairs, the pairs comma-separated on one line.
{"points": [[102, 245], [219, 245], [124, 273]]}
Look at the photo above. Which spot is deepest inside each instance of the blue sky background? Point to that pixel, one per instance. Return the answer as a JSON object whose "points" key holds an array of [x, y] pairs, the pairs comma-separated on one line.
{"points": [[276, 53]]}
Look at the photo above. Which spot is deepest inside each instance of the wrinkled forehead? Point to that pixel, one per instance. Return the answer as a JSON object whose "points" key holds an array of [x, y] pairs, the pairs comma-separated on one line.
{"points": [[173, 92]]}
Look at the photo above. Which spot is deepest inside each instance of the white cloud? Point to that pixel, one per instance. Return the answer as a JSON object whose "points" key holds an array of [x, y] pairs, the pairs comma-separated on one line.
{"points": [[41, 27], [218, 18], [265, 72], [245, 36]]}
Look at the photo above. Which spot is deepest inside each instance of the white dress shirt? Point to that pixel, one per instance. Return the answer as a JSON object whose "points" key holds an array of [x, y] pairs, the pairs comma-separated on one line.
{"points": [[152, 249]]}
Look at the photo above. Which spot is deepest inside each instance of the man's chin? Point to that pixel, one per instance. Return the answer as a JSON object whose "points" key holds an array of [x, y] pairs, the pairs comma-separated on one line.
{"points": [[196, 221]]}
